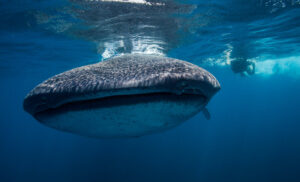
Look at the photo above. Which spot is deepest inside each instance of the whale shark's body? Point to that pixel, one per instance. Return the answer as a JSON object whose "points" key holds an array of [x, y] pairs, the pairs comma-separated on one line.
{"points": [[125, 96]]}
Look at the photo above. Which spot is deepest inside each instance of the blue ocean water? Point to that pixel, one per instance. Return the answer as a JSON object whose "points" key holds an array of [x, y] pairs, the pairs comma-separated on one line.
{"points": [[253, 134]]}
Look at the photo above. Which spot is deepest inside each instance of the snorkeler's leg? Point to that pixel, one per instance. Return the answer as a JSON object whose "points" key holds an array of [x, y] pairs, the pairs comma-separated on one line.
{"points": [[251, 68], [253, 64]]}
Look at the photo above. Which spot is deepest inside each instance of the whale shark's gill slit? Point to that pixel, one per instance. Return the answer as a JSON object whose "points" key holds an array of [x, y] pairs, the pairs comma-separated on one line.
{"points": [[118, 100]]}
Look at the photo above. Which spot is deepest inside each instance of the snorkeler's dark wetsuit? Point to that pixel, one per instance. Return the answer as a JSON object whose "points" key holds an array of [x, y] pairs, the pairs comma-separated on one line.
{"points": [[242, 65]]}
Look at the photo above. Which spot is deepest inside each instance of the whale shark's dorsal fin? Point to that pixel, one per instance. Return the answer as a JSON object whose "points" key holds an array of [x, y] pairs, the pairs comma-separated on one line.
{"points": [[206, 113]]}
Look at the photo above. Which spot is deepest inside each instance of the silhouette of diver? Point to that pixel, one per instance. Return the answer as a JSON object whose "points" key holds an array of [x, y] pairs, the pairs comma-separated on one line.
{"points": [[243, 66]]}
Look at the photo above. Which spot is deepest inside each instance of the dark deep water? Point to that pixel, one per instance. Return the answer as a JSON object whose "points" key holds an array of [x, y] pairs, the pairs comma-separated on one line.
{"points": [[254, 131]]}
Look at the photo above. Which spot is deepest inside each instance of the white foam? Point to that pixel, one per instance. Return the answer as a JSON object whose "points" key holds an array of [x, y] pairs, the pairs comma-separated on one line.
{"points": [[132, 1], [145, 45], [288, 66]]}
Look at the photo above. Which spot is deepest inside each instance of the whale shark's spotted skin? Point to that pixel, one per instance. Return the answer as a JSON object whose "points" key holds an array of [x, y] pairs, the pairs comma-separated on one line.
{"points": [[129, 95]]}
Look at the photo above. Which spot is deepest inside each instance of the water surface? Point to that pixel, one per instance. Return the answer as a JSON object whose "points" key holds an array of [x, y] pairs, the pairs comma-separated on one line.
{"points": [[254, 131]]}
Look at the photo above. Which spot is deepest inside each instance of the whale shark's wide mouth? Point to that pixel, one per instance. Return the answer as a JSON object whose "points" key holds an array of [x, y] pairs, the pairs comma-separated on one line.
{"points": [[118, 100], [59, 101], [125, 99]]}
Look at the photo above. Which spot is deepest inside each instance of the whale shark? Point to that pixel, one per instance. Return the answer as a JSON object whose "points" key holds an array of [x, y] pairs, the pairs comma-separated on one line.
{"points": [[125, 96]]}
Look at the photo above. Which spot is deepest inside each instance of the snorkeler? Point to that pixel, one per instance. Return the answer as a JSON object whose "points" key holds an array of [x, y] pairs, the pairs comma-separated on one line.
{"points": [[243, 66]]}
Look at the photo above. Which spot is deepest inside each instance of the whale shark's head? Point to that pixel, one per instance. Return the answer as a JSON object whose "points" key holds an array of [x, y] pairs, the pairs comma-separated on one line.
{"points": [[129, 95]]}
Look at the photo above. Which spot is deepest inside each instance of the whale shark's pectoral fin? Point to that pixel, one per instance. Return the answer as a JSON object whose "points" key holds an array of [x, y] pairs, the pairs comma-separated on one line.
{"points": [[206, 113]]}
